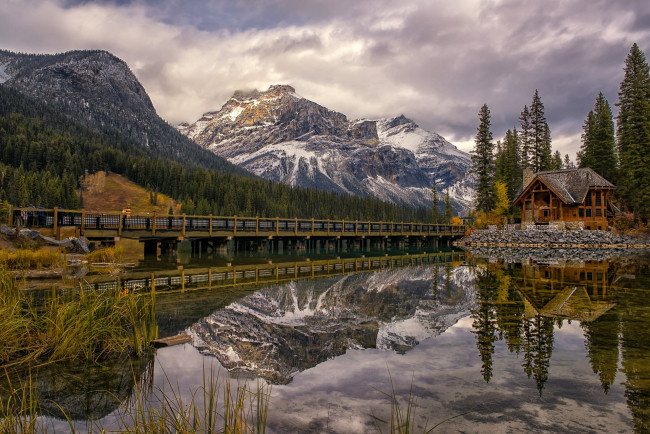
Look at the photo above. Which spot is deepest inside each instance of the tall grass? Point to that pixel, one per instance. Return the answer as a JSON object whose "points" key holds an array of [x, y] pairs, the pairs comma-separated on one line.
{"points": [[22, 259], [113, 255], [86, 326], [403, 418]]}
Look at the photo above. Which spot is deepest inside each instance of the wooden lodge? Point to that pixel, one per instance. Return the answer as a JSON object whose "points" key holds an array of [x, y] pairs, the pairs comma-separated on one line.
{"points": [[569, 199]]}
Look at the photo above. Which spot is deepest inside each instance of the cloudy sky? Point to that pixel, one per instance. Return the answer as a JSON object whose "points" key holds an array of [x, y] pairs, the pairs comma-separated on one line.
{"points": [[436, 61]]}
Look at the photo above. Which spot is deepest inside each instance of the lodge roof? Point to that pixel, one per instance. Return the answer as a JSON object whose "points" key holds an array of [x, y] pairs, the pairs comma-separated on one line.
{"points": [[570, 185]]}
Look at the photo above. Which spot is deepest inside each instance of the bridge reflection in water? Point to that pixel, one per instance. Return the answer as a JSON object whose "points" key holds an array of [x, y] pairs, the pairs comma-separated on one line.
{"points": [[252, 275]]}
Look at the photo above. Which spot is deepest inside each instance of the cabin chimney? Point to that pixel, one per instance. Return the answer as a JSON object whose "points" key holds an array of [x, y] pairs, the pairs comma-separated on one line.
{"points": [[528, 176]]}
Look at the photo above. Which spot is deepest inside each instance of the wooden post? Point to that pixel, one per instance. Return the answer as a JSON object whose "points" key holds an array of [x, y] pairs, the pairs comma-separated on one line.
{"points": [[277, 226], [257, 225], [295, 227], [83, 222], [356, 227], [328, 226], [183, 229], [234, 229], [312, 226], [210, 228], [119, 224], [153, 224], [342, 227], [55, 223]]}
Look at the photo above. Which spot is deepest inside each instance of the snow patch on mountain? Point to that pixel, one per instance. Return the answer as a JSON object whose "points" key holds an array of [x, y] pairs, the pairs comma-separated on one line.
{"points": [[4, 75], [280, 136]]}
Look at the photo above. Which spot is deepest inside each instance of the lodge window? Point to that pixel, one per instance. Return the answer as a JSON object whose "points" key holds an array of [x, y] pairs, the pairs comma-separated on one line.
{"points": [[581, 212], [598, 200], [590, 275], [588, 199], [588, 212], [599, 212]]}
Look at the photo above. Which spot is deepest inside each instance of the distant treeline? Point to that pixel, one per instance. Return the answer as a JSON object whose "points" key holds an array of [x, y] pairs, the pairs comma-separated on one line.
{"points": [[44, 155]]}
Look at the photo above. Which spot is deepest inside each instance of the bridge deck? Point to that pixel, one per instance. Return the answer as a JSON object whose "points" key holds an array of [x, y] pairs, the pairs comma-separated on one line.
{"points": [[143, 226]]}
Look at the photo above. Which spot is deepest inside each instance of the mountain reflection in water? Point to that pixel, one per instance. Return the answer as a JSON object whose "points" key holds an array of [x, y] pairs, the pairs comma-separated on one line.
{"points": [[281, 330], [545, 344]]}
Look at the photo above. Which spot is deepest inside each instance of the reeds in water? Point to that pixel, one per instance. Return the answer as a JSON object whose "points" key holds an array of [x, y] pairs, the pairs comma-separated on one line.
{"points": [[216, 407], [23, 259], [111, 255], [86, 326]]}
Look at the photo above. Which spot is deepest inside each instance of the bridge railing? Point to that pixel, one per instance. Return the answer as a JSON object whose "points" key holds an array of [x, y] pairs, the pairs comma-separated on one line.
{"points": [[182, 224]]}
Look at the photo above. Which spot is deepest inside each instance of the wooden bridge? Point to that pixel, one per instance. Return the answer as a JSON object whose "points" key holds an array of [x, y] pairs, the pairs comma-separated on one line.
{"points": [[206, 232]]}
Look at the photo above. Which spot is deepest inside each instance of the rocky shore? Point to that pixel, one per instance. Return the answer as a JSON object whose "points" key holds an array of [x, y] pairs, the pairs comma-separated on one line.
{"points": [[554, 239]]}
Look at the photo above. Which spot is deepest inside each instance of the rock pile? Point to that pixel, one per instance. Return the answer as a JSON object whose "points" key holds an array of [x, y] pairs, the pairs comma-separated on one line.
{"points": [[72, 244], [553, 239]]}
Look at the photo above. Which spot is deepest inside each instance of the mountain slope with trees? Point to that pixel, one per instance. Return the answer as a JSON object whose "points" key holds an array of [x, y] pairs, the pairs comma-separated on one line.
{"points": [[44, 153]]}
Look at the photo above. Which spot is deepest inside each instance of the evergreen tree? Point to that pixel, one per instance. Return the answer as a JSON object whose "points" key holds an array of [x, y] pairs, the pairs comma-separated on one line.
{"points": [[633, 134], [448, 211], [436, 205], [556, 161], [598, 145], [511, 171], [524, 138], [568, 164], [483, 162], [540, 136]]}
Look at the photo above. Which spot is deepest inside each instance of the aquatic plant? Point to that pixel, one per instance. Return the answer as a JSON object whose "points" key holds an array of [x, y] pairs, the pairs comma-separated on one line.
{"points": [[87, 326], [22, 259], [112, 255], [225, 408]]}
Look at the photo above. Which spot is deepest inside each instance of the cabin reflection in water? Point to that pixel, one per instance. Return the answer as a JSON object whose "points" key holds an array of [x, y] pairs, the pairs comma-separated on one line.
{"points": [[567, 290]]}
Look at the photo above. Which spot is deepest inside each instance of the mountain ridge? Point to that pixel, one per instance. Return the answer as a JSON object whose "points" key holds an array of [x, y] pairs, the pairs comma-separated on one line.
{"points": [[281, 136], [98, 89]]}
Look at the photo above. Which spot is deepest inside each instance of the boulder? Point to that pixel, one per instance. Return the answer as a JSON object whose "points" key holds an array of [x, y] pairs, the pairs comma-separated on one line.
{"points": [[67, 243], [28, 233], [80, 245], [6, 230]]}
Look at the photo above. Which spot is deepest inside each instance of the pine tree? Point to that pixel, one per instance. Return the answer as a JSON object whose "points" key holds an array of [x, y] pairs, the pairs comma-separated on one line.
{"points": [[436, 206], [540, 136], [556, 162], [524, 138], [633, 134], [598, 144], [511, 172], [568, 164], [448, 210], [483, 162]]}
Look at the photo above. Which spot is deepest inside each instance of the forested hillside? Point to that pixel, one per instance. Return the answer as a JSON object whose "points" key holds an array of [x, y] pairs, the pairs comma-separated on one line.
{"points": [[44, 154]]}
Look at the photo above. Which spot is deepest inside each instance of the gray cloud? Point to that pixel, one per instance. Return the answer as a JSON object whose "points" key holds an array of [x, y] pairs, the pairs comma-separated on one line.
{"points": [[434, 61]]}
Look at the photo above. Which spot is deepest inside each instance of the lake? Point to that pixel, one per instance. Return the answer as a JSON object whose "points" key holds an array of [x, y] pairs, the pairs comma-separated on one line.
{"points": [[480, 341]]}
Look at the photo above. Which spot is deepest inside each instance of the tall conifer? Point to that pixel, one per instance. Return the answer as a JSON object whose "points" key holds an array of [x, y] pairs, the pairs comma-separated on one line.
{"points": [[524, 138], [540, 136], [598, 144], [483, 162], [633, 134]]}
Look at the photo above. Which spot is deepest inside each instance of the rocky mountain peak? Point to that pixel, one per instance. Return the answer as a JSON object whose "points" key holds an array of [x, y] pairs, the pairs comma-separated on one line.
{"points": [[281, 136]]}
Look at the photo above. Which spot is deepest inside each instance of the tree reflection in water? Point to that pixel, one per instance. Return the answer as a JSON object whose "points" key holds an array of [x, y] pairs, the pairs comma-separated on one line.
{"points": [[521, 304]]}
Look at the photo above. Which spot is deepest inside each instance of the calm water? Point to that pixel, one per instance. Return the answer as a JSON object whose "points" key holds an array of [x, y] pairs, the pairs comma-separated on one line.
{"points": [[486, 345]]}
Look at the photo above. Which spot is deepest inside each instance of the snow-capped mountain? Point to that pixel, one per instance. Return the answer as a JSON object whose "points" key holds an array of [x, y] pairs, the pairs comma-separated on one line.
{"points": [[98, 90], [287, 328], [281, 136]]}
